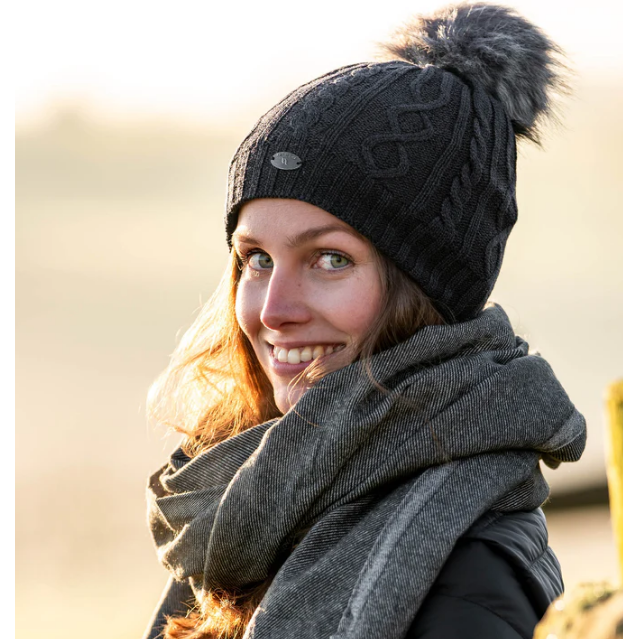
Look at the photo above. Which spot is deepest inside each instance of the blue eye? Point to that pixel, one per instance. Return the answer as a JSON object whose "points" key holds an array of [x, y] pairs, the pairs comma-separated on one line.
{"points": [[260, 261], [333, 261]]}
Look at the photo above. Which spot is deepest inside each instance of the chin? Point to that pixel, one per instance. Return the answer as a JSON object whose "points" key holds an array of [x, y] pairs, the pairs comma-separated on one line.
{"points": [[285, 399]]}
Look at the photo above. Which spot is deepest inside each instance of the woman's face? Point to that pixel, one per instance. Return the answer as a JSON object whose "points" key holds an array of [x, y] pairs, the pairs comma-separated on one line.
{"points": [[310, 288]]}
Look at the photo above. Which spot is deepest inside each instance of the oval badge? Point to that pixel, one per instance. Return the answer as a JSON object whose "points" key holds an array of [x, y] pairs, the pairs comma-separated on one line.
{"points": [[286, 161]]}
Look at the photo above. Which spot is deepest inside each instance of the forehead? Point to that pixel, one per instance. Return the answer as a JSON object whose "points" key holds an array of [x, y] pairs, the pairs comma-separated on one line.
{"points": [[282, 215]]}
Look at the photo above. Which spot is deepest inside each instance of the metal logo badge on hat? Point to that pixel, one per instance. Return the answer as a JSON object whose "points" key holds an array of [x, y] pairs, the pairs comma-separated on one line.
{"points": [[286, 161]]}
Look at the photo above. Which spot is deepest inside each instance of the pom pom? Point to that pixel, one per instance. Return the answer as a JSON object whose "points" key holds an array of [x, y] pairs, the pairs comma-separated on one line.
{"points": [[493, 46]]}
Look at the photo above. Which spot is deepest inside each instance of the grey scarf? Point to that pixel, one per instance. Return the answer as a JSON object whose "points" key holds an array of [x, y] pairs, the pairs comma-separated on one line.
{"points": [[382, 482]]}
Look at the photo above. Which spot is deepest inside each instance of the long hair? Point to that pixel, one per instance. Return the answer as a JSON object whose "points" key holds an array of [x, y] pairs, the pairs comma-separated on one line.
{"points": [[214, 388]]}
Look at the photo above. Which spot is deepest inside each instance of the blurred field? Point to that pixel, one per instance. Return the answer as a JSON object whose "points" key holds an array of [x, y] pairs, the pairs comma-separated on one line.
{"points": [[118, 241]]}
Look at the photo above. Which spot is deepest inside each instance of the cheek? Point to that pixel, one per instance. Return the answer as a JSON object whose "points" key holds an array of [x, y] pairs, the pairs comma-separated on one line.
{"points": [[357, 306], [247, 309]]}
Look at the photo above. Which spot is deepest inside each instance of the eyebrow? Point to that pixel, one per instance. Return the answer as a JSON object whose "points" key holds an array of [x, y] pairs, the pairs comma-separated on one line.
{"points": [[305, 236]]}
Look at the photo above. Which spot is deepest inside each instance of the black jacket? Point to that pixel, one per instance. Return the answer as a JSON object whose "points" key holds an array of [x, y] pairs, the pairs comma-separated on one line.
{"points": [[496, 584]]}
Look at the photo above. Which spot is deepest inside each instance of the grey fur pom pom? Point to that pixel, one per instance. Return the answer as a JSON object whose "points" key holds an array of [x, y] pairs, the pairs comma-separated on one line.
{"points": [[493, 46]]}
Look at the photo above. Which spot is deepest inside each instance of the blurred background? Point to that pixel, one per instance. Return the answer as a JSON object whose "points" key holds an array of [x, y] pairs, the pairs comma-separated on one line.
{"points": [[127, 115]]}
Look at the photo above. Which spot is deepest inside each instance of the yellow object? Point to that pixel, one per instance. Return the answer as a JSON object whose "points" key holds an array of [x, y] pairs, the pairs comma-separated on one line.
{"points": [[590, 611], [614, 465], [595, 610]]}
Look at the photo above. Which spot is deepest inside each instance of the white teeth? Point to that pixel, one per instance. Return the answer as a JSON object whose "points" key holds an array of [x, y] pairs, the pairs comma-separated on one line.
{"points": [[306, 354]]}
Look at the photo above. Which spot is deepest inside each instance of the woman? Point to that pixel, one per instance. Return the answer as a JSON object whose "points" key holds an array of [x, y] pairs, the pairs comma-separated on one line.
{"points": [[362, 429]]}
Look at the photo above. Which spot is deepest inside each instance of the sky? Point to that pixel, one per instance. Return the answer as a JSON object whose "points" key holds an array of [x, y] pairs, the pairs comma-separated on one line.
{"points": [[206, 60]]}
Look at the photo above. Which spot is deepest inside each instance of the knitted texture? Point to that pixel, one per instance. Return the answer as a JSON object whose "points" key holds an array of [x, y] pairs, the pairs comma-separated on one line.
{"points": [[384, 482], [416, 159]]}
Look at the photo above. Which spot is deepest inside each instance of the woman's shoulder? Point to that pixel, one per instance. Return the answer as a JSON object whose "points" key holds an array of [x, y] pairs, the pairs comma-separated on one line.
{"points": [[497, 582]]}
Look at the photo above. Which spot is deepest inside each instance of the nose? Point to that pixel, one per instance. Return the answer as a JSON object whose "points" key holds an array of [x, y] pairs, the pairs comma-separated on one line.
{"points": [[285, 301]]}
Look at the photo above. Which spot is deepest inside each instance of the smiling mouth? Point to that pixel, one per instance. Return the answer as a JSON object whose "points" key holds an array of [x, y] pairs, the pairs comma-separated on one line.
{"points": [[304, 354]]}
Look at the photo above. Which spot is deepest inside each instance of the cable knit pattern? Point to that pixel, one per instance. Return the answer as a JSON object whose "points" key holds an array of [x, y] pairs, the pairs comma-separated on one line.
{"points": [[317, 104], [398, 136]]}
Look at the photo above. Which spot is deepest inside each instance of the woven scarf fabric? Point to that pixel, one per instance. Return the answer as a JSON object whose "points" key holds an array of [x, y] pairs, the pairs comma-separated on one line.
{"points": [[382, 482]]}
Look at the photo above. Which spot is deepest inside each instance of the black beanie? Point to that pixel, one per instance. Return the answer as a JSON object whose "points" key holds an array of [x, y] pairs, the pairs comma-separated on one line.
{"points": [[416, 153]]}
